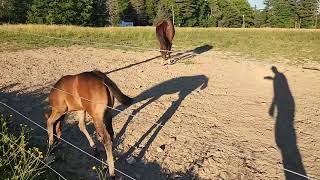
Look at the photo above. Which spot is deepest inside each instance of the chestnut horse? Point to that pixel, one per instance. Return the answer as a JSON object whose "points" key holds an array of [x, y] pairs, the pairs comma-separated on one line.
{"points": [[165, 32], [91, 92]]}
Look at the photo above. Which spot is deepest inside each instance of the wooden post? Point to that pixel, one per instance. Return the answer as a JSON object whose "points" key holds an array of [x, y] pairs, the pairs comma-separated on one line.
{"points": [[243, 22], [316, 24], [172, 14]]}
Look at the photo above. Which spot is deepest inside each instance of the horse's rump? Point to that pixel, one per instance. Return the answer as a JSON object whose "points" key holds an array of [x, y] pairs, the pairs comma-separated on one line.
{"points": [[161, 35], [165, 33]]}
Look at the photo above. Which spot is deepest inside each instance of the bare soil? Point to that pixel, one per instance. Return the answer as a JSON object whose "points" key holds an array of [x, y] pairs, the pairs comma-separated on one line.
{"points": [[214, 108]]}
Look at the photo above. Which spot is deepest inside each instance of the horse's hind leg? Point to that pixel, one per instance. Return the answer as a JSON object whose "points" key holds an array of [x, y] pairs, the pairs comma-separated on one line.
{"points": [[105, 138], [164, 60], [83, 129]]}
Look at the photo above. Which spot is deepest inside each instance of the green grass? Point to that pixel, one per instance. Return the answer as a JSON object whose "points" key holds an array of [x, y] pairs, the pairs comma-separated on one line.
{"points": [[294, 45], [17, 160]]}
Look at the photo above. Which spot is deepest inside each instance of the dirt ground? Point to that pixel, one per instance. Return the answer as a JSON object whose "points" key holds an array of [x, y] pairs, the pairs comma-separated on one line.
{"points": [[214, 108]]}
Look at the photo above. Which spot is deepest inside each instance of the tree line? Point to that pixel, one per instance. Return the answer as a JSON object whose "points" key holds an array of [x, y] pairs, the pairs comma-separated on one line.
{"points": [[187, 13]]}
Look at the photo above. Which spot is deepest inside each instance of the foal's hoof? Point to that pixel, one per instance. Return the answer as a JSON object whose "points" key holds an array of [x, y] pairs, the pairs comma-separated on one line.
{"points": [[54, 146], [95, 151]]}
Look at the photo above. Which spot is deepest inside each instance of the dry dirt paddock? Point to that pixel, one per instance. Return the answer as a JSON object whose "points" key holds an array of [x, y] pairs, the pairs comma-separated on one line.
{"points": [[214, 108]]}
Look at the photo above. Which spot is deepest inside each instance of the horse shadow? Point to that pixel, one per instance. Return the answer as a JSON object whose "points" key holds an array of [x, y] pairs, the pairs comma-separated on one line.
{"points": [[131, 65], [175, 58], [285, 134], [181, 85], [191, 53]]}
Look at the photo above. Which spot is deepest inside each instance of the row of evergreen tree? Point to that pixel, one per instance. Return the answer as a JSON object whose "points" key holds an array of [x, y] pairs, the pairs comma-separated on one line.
{"points": [[205, 13]]}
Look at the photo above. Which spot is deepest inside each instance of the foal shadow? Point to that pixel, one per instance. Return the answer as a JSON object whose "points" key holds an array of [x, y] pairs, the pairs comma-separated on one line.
{"points": [[182, 85], [191, 53]]}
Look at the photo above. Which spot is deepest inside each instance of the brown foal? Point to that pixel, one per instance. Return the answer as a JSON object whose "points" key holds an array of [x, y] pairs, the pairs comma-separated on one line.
{"points": [[91, 92]]}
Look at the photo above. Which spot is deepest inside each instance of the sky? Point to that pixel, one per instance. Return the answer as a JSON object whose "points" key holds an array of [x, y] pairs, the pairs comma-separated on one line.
{"points": [[259, 3]]}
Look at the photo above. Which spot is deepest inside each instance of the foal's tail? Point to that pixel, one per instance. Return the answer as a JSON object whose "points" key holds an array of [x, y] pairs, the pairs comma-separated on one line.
{"points": [[116, 92], [122, 98]]}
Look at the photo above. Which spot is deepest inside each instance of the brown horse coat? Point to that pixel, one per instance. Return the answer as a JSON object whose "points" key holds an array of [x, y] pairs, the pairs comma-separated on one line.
{"points": [[165, 33], [91, 92]]}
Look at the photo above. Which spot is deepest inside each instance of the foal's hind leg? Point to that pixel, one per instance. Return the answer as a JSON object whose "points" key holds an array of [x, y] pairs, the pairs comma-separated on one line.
{"points": [[108, 119], [55, 115], [105, 138], [83, 129], [58, 125]]}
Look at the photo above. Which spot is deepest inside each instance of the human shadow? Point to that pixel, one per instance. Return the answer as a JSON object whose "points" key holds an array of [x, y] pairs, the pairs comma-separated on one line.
{"points": [[181, 85], [131, 65], [285, 135], [190, 53]]}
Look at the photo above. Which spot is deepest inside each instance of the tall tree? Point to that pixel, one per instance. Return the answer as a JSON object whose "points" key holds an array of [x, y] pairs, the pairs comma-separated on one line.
{"points": [[245, 11], [260, 17], [305, 12], [203, 13], [99, 14], [14, 11], [126, 11], [39, 12], [113, 12], [164, 10], [187, 12], [6, 10], [281, 13], [66, 12], [139, 7], [230, 15], [215, 13], [150, 11]]}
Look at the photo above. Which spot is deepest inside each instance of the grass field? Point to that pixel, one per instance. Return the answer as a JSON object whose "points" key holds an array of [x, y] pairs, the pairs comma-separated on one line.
{"points": [[294, 45]]}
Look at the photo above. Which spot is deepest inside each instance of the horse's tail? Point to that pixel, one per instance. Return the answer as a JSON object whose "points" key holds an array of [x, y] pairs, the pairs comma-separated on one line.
{"points": [[161, 35], [116, 92]]}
